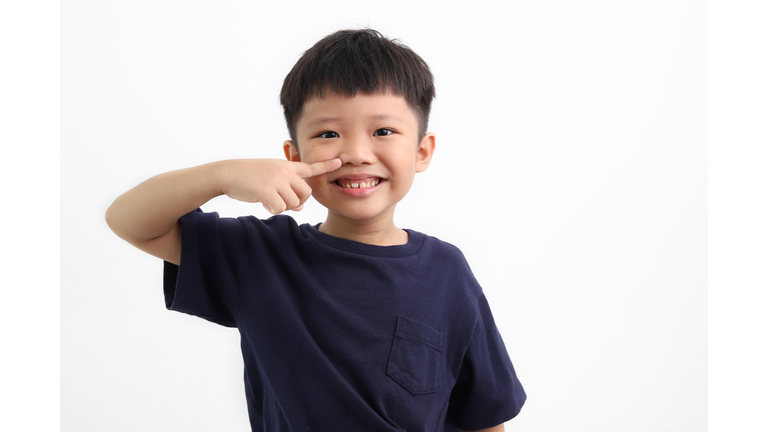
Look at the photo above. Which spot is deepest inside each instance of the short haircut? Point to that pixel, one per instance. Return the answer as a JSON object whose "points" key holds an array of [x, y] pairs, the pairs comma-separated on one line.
{"points": [[349, 62]]}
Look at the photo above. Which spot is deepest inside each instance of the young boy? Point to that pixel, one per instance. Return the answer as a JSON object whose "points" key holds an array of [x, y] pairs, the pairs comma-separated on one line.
{"points": [[353, 324]]}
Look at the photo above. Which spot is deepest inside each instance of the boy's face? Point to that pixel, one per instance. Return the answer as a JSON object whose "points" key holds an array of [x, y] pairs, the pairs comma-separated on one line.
{"points": [[376, 137]]}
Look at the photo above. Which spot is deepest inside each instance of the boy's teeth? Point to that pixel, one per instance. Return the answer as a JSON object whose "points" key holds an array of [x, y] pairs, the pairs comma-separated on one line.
{"points": [[358, 184]]}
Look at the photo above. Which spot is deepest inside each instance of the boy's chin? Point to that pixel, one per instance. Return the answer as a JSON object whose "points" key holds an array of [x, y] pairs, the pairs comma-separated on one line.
{"points": [[360, 213]]}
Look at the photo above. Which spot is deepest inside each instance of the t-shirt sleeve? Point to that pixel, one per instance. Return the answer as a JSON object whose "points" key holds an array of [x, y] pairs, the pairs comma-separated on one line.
{"points": [[487, 392], [215, 262]]}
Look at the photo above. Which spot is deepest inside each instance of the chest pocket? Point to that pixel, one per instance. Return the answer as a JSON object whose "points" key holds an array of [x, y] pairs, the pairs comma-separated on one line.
{"points": [[414, 361]]}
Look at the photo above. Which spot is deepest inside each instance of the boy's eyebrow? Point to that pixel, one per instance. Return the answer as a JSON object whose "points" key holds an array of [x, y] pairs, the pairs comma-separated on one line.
{"points": [[385, 117], [325, 120]]}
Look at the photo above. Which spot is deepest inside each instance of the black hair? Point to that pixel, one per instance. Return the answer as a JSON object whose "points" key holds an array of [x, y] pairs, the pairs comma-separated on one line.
{"points": [[349, 62]]}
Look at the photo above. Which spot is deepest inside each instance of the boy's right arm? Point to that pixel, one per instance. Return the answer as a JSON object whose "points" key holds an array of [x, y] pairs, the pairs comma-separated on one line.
{"points": [[147, 216]]}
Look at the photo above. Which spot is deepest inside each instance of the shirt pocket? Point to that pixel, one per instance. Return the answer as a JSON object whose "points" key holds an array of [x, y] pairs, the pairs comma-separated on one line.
{"points": [[414, 361]]}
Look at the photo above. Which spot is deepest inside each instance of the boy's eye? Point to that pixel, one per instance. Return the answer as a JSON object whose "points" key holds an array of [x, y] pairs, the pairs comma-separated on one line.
{"points": [[383, 132], [328, 135]]}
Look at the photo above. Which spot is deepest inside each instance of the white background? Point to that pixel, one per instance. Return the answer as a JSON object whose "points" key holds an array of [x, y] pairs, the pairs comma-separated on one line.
{"points": [[570, 169]]}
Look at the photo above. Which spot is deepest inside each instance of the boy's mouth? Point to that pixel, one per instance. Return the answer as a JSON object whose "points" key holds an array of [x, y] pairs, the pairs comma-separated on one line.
{"points": [[358, 184]]}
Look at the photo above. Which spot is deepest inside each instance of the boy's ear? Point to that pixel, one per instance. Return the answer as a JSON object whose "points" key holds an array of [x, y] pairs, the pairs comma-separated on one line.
{"points": [[291, 151], [426, 150]]}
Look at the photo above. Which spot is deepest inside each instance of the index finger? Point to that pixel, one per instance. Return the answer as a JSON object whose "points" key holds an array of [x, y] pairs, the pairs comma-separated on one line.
{"points": [[318, 168]]}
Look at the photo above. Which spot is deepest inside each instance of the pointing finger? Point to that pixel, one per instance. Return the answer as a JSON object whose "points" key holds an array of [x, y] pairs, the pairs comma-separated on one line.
{"points": [[318, 168]]}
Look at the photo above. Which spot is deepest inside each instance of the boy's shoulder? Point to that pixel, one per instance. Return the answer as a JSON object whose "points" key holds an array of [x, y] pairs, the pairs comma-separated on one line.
{"points": [[285, 225], [283, 231], [445, 246]]}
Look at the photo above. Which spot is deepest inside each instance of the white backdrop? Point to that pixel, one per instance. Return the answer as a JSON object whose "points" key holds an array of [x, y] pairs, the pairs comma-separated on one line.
{"points": [[570, 169]]}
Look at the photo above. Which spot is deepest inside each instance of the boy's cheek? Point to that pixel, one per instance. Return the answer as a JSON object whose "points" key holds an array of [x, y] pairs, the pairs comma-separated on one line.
{"points": [[315, 153], [316, 182]]}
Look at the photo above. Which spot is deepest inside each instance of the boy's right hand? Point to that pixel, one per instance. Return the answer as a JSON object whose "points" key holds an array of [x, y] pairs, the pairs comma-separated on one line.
{"points": [[147, 216], [277, 184]]}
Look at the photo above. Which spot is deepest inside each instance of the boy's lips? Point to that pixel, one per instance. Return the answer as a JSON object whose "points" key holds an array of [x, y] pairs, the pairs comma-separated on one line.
{"points": [[358, 185]]}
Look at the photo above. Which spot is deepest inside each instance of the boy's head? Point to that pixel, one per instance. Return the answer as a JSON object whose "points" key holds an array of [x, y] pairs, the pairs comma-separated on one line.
{"points": [[351, 62]]}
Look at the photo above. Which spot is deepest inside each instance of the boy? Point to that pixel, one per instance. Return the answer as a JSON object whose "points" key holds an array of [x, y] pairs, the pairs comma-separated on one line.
{"points": [[353, 324]]}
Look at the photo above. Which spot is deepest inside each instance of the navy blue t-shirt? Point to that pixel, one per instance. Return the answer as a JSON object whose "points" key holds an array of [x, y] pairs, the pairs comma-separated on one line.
{"points": [[338, 335]]}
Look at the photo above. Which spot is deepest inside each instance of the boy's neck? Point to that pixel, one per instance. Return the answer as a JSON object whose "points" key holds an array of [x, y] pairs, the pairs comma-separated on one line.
{"points": [[379, 232]]}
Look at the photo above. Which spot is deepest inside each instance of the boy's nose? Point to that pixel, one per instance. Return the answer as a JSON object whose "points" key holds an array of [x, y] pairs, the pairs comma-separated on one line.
{"points": [[357, 151]]}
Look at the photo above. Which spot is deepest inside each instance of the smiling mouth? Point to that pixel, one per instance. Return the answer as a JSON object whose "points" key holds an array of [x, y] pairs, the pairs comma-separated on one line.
{"points": [[358, 184]]}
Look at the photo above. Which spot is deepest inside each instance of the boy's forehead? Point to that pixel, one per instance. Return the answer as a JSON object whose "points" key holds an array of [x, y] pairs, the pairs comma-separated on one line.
{"points": [[379, 106]]}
